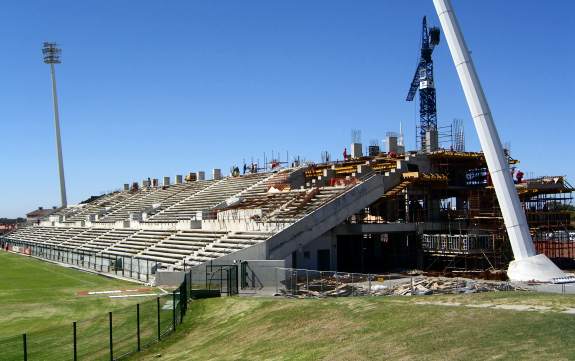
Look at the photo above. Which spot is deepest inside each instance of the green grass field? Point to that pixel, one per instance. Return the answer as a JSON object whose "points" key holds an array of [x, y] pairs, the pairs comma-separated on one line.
{"points": [[385, 328], [41, 299]]}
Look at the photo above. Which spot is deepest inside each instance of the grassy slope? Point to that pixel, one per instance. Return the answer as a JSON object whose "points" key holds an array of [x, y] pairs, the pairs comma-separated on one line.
{"points": [[36, 295], [372, 328]]}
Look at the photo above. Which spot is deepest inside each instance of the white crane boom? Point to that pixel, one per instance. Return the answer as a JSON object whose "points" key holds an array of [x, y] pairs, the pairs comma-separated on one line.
{"points": [[527, 265]]}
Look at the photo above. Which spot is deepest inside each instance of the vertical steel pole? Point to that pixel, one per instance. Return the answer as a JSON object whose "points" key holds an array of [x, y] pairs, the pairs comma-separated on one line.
{"points": [[174, 309], [58, 138], [25, 344], [138, 324], [158, 307], [111, 338], [75, 343]]}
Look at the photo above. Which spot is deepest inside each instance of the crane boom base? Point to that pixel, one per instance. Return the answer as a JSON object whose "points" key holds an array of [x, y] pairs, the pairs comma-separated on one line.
{"points": [[535, 268]]}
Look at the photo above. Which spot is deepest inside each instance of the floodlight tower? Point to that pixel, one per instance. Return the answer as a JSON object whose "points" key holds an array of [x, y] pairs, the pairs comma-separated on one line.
{"points": [[51, 54]]}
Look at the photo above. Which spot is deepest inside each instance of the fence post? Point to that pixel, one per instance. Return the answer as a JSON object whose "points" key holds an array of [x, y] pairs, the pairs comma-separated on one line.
{"points": [[138, 323], [293, 281], [111, 339], [307, 283], [158, 304], [75, 343], [25, 347], [174, 309], [189, 285], [276, 277], [369, 284]]}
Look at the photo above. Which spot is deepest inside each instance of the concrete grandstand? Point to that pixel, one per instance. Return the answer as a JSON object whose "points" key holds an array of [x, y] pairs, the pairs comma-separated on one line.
{"points": [[387, 211]]}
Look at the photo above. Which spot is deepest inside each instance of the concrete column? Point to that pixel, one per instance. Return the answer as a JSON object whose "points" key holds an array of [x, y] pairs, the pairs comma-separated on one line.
{"points": [[356, 150], [363, 169]]}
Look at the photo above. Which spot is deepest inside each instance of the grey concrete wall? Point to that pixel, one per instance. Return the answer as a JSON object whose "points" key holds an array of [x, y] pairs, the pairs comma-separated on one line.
{"points": [[261, 274], [327, 241], [168, 278], [327, 217]]}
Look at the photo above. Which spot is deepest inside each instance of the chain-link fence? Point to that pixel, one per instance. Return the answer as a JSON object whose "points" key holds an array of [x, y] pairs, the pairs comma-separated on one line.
{"points": [[126, 266], [109, 336], [310, 283], [301, 283]]}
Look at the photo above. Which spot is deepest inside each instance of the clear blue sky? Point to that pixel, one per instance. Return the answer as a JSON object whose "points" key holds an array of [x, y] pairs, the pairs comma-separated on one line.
{"points": [[154, 88]]}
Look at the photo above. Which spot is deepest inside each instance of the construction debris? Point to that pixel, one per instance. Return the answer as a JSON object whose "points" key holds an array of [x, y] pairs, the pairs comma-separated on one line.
{"points": [[342, 287]]}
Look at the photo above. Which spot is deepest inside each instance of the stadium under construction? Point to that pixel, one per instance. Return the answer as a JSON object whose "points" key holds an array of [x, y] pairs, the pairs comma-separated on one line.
{"points": [[386, 211], [437, 208]]}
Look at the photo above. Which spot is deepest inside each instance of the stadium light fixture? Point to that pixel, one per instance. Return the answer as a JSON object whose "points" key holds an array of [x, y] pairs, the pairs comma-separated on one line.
{"points": [[51, 53]]}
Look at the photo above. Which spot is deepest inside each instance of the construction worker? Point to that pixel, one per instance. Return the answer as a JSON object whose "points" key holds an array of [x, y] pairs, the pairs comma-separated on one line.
{"points": [[344, 153], [519, 176]]}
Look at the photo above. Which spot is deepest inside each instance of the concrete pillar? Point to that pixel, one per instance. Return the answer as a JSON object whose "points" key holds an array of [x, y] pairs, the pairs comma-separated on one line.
{"points": [[431, 141], [217, 173], [329, 173], [356, 151], [201, 175], [179, 179], [363, 169], [166, 181], [391, 141], [126, 186]]}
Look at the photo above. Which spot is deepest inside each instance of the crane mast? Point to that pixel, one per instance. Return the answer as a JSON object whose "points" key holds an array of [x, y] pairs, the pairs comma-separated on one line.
{"points": [[423, 81]]}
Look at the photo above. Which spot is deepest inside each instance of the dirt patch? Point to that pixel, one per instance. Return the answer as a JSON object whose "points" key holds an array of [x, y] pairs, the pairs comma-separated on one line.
{"points": [[133, 291]]}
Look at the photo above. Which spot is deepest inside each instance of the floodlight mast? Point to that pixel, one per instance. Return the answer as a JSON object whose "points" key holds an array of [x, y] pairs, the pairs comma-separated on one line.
{"points": [[51, 54], [527, 264]]}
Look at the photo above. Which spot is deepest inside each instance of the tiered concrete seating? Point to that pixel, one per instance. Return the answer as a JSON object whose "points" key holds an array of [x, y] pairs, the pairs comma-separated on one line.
{"points": [[47, 234], [108, 239], [162, 197], [259, 196], [269, 203], [67, 234], [34, 234], [209, 197], [121, 210], [180, 245], [231, 242], [305, 205], [138, 242], [81, 239], [186, 190], [99, 206]]}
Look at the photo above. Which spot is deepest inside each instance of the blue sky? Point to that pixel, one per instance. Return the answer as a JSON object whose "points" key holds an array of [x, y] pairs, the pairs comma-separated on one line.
{"points": [[154, 88]]}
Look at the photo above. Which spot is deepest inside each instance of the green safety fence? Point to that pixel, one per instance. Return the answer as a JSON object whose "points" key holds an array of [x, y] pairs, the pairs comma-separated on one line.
{"points": [[110, 336]]}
